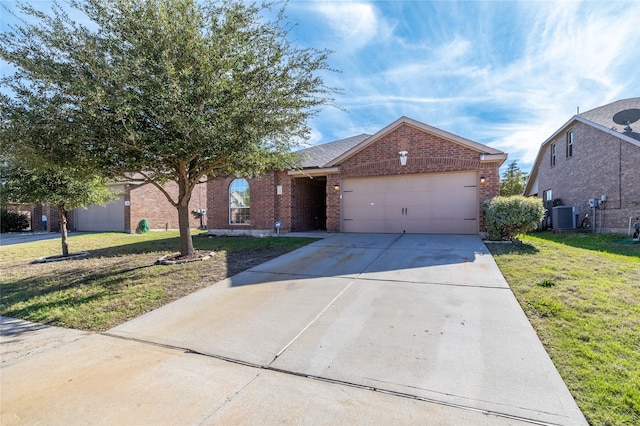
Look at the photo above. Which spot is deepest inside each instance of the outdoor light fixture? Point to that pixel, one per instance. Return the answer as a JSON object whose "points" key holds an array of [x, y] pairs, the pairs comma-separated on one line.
{"points": [[403, 158], [336, 187], [482, 179]]}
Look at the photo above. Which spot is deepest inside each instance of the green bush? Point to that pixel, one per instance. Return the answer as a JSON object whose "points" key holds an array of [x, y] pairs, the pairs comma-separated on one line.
{"points": [[508, 217], [12, 221]]}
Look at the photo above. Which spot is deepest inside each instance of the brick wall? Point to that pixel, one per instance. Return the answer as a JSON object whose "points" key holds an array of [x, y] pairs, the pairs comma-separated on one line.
{"points": [[148, 202], [490, 188], [283, 210], [53, 218], [333, 204], [601, 164], [427, 154], [266, 206]]}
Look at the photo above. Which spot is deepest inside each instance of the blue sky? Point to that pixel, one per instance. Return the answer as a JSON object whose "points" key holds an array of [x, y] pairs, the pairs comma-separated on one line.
{"points": [[503, 73]]}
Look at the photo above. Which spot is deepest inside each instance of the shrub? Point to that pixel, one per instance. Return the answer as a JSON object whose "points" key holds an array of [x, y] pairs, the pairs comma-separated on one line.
{"points": [[12, 221], [508, 217]]}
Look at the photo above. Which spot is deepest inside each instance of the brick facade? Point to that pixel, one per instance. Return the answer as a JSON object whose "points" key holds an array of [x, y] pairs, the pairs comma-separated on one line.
{"points": [[428, 153], [266, 205], [148, 202], [601, 164]]}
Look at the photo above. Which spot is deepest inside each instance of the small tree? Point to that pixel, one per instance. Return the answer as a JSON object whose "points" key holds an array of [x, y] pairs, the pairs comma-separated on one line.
{"points": [[65, 189], [173, 90], [508, 217], [513, 180]]}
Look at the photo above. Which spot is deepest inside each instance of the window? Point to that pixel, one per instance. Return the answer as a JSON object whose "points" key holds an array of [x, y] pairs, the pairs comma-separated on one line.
{"points": [[570, 143], [239, 202], [553, 154], [547, 199]]}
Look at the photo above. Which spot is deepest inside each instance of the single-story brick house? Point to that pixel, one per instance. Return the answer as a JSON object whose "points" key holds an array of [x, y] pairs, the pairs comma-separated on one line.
{"points": [[593, 156], [408, 177], [137, 201]]}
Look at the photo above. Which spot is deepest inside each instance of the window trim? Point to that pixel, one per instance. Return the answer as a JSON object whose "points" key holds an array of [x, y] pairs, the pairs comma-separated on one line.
{"points": [[246, 198], [553, 154]]}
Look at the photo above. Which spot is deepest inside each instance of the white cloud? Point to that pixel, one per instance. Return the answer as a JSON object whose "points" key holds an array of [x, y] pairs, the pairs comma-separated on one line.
{"points": [[578, 55], [354, 25]]}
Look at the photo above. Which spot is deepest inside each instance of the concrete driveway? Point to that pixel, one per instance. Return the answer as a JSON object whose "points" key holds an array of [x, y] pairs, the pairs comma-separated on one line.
{"points": [[355, 328]]}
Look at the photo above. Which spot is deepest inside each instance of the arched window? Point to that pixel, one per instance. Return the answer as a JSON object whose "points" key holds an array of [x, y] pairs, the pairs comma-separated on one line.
{"points": [[239, 202]]}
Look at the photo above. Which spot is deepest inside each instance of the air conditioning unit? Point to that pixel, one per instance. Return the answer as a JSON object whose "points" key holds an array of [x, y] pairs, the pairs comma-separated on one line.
{"points": [[565, 217]]}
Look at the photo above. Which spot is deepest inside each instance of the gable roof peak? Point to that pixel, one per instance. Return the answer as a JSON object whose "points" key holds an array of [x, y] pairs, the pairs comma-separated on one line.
{"points": [[404, 120]]}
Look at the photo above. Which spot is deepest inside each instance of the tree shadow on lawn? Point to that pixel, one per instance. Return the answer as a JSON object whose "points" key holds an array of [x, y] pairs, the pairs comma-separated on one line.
{"points": [[96, 298], [43, 283], [200, 242], [604, 243], [128, 272]]}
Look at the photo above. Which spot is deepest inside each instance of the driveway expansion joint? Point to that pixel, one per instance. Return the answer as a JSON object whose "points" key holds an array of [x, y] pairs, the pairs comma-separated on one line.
{"points": [[381, 390]]}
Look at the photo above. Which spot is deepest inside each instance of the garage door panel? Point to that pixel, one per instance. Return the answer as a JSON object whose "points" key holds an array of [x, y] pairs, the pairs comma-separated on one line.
{"points": [[109, 218], [434, 203]]}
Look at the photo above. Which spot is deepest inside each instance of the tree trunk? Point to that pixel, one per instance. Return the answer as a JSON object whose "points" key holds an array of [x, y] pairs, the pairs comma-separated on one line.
{"points": [[186, 244], [63, 230]]}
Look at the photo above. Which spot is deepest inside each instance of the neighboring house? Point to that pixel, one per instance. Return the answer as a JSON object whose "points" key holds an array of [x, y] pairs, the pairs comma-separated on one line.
{"points": [[137, 201], [593, 157], [408, 177]]}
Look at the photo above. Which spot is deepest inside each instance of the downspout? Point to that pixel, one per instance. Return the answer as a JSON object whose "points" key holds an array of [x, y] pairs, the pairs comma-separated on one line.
{"points": [[620, 175]]}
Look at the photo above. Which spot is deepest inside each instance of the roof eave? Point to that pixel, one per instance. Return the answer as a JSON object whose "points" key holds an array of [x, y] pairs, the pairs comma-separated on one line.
{"points": [[493, 158], [321, 171]]}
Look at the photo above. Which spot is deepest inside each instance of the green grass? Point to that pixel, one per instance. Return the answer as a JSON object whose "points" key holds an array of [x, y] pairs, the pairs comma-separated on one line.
{"points": [[581, 293], [119, 280]]}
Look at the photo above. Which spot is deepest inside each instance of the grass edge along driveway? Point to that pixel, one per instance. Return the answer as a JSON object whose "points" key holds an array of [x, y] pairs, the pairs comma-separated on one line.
{"points": [[581, 293]]}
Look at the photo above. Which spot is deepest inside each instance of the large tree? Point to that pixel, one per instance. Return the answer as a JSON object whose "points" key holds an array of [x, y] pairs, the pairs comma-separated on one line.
{"points": [[513, 180], [172, 90]]}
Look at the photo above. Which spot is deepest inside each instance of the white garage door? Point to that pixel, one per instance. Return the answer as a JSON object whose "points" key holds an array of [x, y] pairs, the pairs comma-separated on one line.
{"points": [[443, 203], [101, 218]]}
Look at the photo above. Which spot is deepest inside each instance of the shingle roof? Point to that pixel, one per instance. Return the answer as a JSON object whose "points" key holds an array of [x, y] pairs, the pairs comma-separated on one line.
{"points": [[320, 155], [604, 116]]}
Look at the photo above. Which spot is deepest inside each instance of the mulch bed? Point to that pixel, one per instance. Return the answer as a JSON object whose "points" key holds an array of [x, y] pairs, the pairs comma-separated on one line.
{"points": [[177, 259], [59, 258]]}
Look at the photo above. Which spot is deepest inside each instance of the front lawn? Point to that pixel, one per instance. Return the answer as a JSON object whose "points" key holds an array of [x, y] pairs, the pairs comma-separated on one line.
{"points": [[119, 280], [581, 293]]}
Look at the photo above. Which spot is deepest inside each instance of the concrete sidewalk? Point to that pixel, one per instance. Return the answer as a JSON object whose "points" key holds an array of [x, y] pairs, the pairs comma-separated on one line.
{"points": [[352, 329]]}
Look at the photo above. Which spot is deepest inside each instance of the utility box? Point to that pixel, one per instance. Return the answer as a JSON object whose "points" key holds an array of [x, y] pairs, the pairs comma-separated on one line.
{"points": [[565, 217]]}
